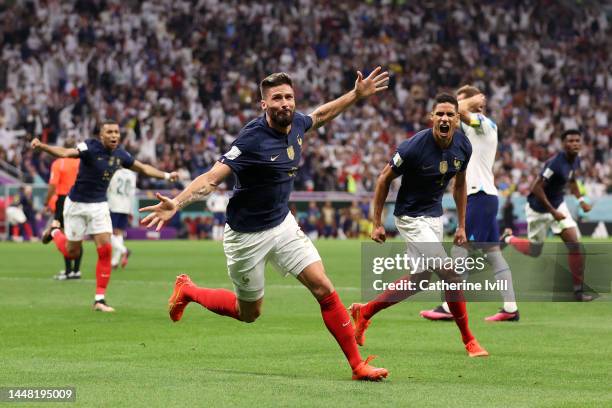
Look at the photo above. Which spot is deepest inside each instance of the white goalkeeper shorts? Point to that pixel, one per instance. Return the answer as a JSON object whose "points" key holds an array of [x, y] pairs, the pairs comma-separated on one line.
{"points": [[423, 236], [285, 246], [539, 223], [82, 219]]}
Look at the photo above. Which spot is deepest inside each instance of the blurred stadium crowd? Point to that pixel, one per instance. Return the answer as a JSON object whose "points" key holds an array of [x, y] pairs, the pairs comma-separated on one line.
{"points": [[182, 78]]}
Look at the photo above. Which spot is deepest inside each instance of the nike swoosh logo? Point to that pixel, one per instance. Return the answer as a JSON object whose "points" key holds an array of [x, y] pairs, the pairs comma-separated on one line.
{"points": [[273, 158], [427, 167], [346, 324]]}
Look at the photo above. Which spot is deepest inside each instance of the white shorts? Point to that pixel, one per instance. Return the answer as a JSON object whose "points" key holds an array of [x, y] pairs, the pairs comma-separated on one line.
{"points": [[15, 215], [288, 249], [423, 236], [539, 223], [81, 219]]}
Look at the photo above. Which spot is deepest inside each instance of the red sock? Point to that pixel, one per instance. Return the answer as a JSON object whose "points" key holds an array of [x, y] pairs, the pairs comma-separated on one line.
{"points": [[15, 231], [576, 265], [219, 301], [386, 299], [339, 324], [103, 268], [27, 230], [456, 304], [60, 242], [521, 245]]}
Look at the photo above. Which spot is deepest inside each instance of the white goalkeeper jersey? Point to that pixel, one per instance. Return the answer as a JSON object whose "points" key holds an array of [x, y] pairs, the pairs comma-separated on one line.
{"points": [[482, 133], [121, 191]]}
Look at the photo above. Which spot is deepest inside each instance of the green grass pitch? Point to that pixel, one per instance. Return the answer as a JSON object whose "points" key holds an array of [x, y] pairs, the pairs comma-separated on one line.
{"points": [[558, 355]]}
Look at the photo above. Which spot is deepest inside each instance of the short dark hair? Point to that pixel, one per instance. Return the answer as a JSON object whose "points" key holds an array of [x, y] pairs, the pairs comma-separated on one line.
{"points": [[468, 91], [100, 125], [446, 98], [276, 79], [568, 132]]}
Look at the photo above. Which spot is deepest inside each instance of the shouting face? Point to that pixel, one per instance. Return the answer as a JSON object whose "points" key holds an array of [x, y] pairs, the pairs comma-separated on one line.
{"points": [[445, 121]]}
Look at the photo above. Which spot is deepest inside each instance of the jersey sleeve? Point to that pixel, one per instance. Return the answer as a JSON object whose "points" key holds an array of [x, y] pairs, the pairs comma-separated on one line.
{"points": [[549, 170], [84, 149], [305, 120], [55, 173], [127, 160], [238, 156], [401, 157]]}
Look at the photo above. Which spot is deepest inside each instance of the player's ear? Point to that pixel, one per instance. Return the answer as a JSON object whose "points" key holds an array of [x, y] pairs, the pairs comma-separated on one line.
{"points": [[263, 105]]}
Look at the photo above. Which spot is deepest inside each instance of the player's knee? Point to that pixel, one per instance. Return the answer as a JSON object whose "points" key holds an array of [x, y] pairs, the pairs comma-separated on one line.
{"points": [[73, 252], [322, 291]]}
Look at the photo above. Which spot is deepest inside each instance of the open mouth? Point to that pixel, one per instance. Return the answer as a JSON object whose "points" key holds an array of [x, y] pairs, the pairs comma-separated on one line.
{"points": [[444, 128]]}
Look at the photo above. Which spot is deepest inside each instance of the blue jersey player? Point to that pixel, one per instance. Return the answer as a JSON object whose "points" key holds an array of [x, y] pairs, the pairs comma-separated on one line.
{"points": [[86, 209], [482, 204], [260, 229], [426, 162], [545, 209]]}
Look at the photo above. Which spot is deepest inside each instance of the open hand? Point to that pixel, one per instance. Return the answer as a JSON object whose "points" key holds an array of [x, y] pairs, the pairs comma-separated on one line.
{"points": [[160, 213], [375, 82]]}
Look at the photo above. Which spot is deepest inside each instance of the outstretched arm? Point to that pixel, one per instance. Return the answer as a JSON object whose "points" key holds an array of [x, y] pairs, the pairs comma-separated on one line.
{"points": [[56, 151], [199, 188], [380, 196], [151, 171], [375, 82]]}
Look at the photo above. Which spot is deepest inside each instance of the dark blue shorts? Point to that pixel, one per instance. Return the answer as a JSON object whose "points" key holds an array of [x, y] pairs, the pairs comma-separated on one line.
{"points": [[120, 221], [481, 218], [219, 218]]}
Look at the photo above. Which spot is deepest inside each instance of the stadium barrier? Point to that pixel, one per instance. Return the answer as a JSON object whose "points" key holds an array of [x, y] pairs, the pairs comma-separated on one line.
{"points": [[596, 224]]}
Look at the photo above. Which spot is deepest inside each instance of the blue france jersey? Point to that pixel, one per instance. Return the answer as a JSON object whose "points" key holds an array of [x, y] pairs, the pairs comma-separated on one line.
{"points": [[426, 170], [98, 164], [265, 163], [557, 172]]}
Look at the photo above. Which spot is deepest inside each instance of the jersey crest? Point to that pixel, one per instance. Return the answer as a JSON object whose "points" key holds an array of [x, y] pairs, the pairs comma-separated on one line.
{"points": [[443, 166]]}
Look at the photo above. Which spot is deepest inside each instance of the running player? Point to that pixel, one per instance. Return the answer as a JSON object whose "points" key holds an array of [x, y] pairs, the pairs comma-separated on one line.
{"points": [[427, 162], [121, 193], [482, 203], [545, 209], [260, 228], [63, 175], [85, 209]]}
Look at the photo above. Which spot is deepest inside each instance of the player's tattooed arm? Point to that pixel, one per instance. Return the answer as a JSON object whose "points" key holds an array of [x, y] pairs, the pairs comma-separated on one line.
{"points": [[203, 185], [375, 82], [56, 151], [199, 188]]}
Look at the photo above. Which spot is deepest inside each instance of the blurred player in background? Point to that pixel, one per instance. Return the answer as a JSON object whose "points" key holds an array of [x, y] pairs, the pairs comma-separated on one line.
{"points": [[86, 209], [217, 203], [482, 228], [63, 175], [260, 228], [121, 194], [426, 162], [545, 209]]}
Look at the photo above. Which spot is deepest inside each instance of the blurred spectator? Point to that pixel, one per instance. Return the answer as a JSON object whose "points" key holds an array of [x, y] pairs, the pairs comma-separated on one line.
{"points": [[182, 78]]}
